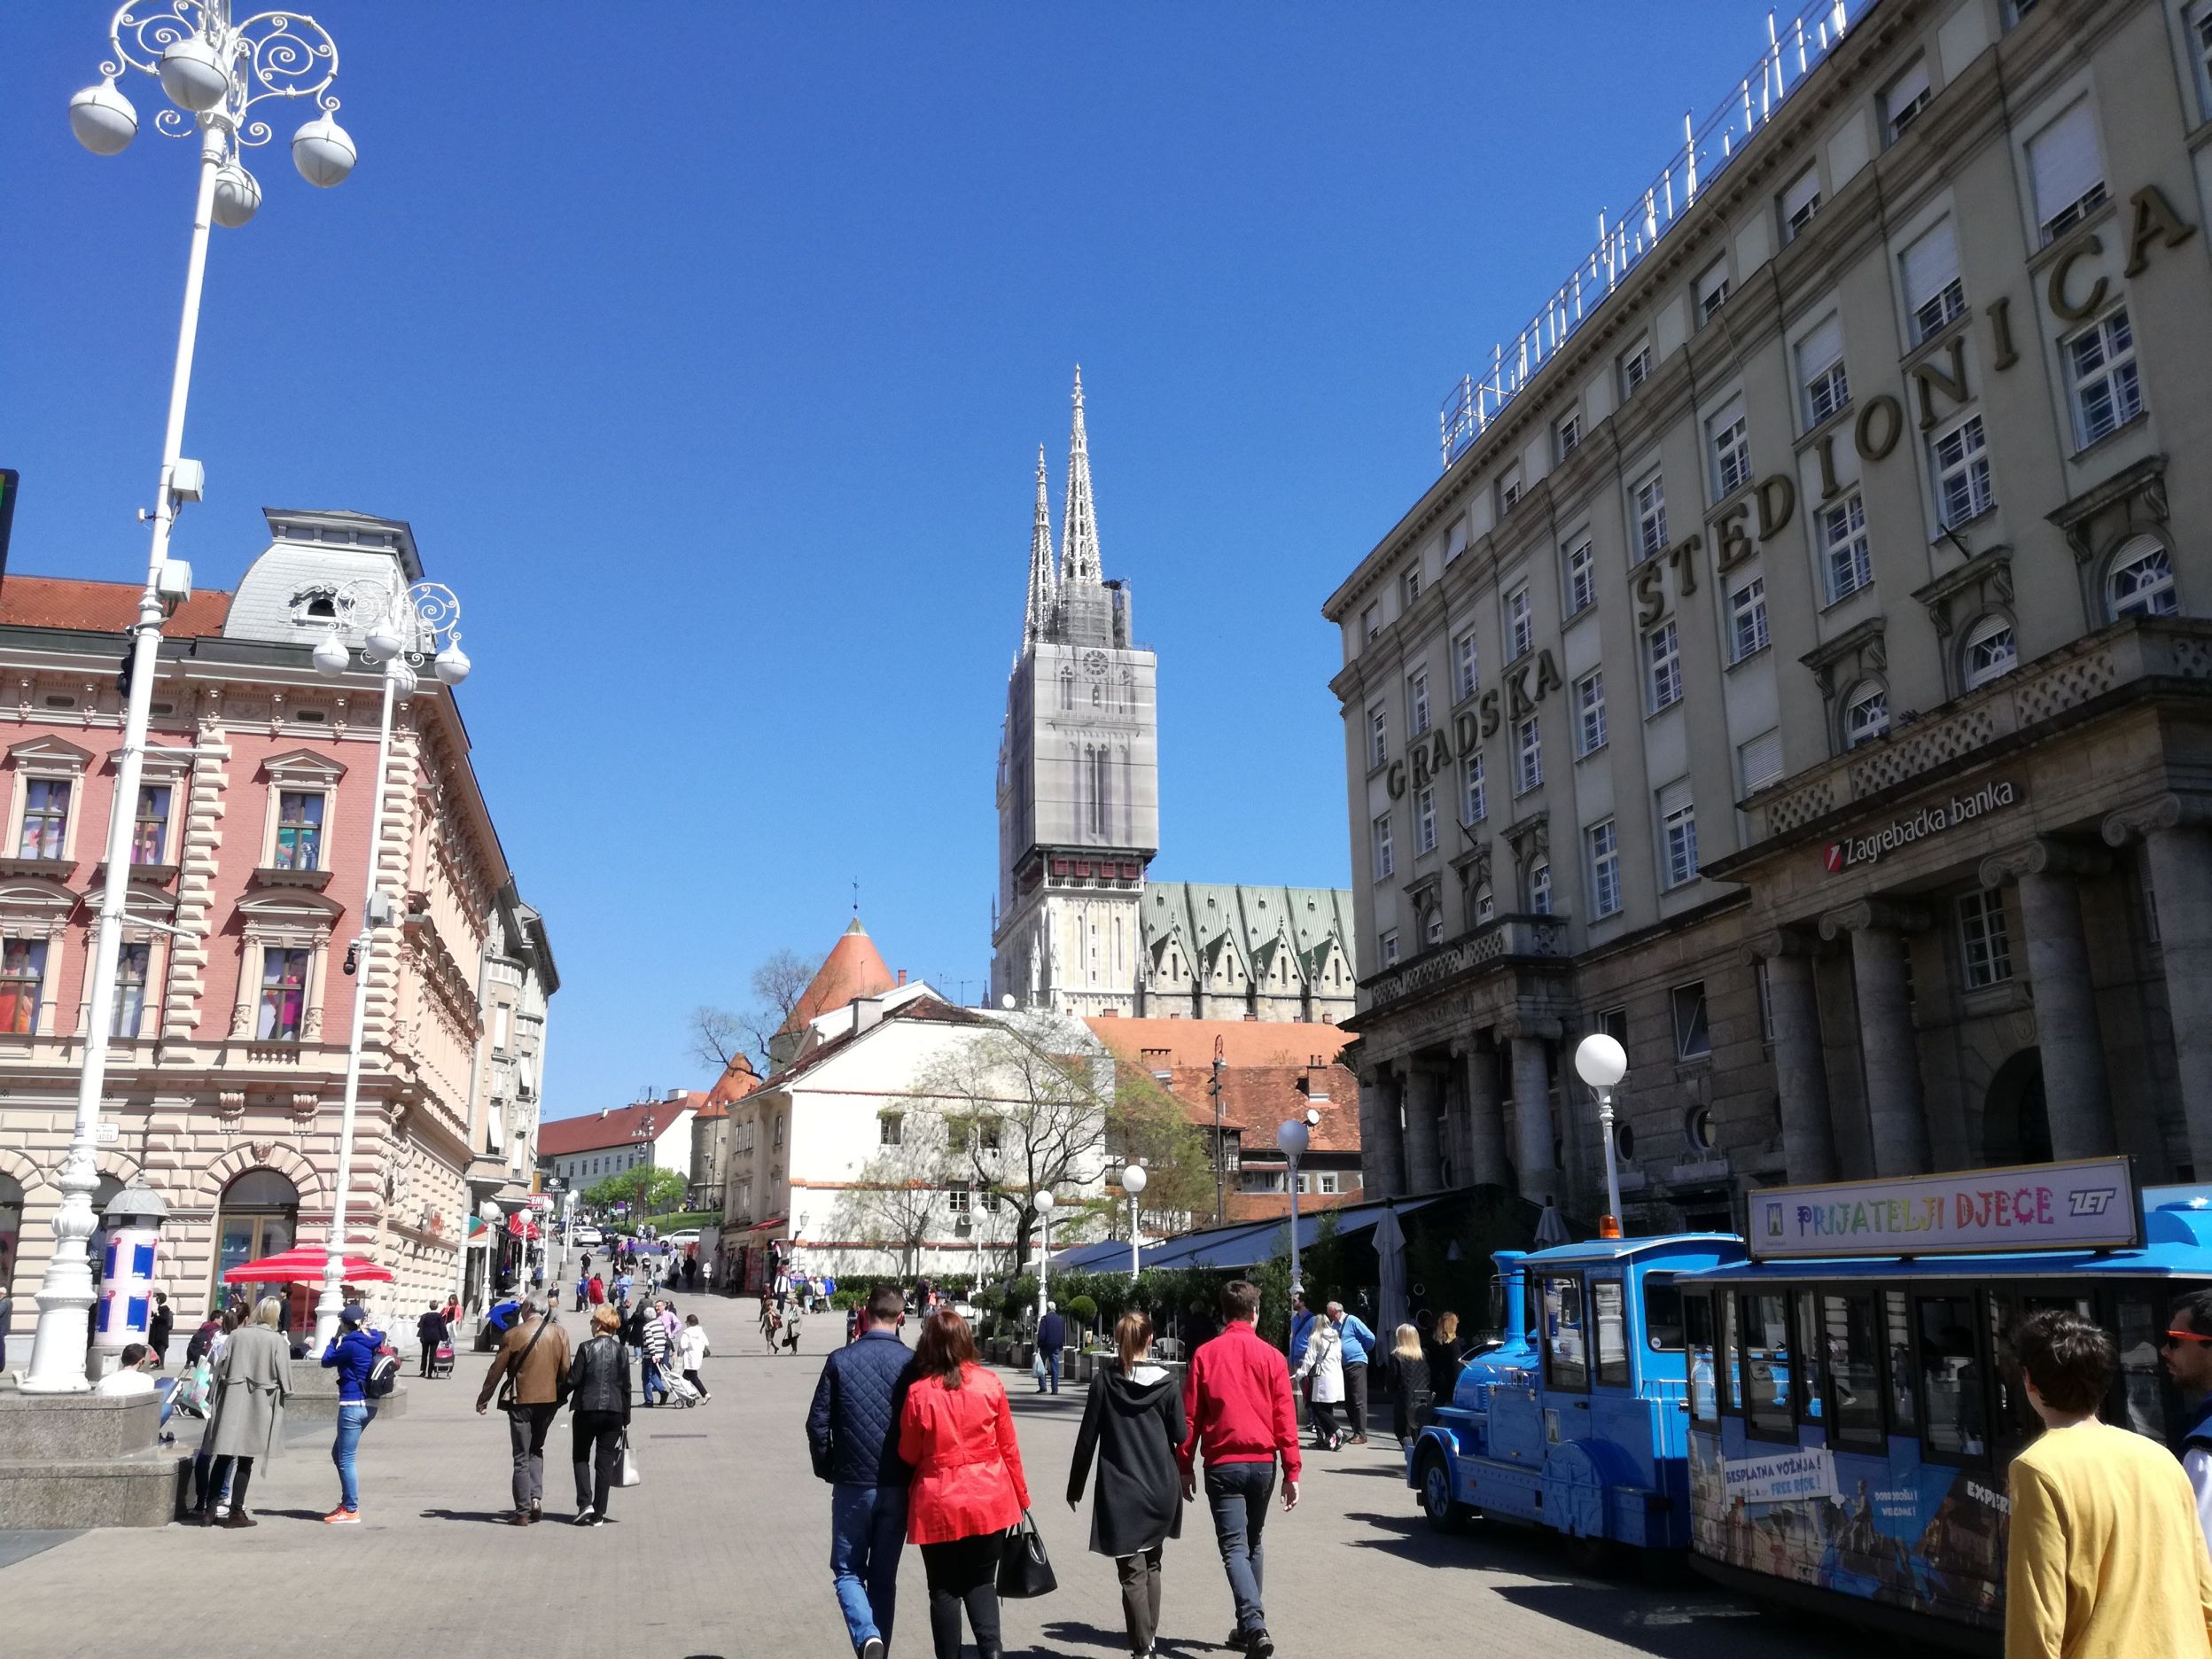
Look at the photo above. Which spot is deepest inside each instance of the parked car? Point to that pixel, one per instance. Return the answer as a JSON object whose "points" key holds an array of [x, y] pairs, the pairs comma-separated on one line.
{"points": [[680, 1240], [588, 1238]]}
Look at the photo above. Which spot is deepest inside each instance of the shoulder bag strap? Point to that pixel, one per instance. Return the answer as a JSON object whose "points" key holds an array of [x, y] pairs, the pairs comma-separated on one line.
{"points": [[514, 1372]]}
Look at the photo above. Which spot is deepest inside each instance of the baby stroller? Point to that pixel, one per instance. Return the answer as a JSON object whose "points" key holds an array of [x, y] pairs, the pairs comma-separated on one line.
{"points": [[441, 1359], [679, 1391]]}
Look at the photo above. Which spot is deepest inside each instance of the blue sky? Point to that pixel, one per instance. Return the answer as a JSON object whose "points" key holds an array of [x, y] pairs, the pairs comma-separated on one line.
{"points": [[708, 355]]}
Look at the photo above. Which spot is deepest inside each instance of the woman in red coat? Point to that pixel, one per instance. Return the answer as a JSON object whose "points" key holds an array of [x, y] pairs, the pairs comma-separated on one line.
{"points": [[956, 1431]]}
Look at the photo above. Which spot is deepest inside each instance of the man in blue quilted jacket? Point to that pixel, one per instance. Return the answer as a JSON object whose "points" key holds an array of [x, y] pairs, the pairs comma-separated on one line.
{"points": [[853, 1432]]}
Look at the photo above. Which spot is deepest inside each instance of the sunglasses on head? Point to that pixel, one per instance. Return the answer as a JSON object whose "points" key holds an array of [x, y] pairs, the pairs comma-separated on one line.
{"points": [[2173, 1337]]}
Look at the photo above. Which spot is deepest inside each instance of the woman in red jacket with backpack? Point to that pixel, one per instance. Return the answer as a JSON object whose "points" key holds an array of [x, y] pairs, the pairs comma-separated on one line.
{"points": [[956, 1431]]}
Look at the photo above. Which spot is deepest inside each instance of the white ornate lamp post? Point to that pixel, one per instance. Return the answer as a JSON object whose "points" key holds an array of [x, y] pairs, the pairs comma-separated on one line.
{"points": [[1292, 1137], [1134, 1180], [215, 70], [400, 630], [1602, 1063], [1044, 1250]]}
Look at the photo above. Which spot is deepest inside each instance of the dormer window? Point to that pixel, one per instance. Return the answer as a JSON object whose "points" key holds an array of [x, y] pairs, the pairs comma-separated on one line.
{"points": [[313, 607]]}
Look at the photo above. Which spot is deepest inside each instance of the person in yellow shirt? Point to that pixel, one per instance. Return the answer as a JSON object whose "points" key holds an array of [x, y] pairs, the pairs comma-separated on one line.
{"points": [[2106, 1558]]}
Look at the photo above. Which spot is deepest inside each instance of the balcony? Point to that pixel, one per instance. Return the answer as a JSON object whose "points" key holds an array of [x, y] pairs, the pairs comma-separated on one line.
{"points": [[1513, 937]]}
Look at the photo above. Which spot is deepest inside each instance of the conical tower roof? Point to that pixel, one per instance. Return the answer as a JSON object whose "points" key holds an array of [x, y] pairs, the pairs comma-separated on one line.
{"points": [[853, 968], [1078, 524], [1044, 583]]}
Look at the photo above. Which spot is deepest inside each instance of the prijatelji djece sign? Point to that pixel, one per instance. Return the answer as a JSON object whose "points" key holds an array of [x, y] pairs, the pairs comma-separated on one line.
{"points": [[2087, 1205]]}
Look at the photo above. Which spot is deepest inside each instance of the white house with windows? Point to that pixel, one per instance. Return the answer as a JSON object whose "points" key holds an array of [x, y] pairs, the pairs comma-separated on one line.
{"points": [[584, 1150]]}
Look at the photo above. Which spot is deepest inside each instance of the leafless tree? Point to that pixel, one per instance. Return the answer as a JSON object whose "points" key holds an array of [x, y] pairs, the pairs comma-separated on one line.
{"points": [[897, 1195], [719, 1036]]}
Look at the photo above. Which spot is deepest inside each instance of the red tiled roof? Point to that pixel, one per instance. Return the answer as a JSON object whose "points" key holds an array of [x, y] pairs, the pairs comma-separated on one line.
{"points": [[1180, 1042], [853, 968], [559, 1136], [737, 1080], [1258, 1100], [101, 607]]}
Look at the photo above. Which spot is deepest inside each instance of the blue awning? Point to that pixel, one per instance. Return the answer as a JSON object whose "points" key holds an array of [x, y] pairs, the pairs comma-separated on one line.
{"points": [[1244, 1244]]}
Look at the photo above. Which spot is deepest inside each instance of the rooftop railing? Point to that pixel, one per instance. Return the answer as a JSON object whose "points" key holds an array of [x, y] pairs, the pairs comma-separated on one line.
{"points": [[1794, 49]]}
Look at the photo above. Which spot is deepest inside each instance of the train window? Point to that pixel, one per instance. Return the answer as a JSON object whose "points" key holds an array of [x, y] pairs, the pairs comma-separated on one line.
{"points": [[1608, 1311], [1812, 1375], [1767, 1366], [2149, 1404], [2014, 1420], [1697, 1335], [1897, 1337], [1662, 1313], [1732, 1358], [1953, 1385], [1852, 1348], [1565, 1335]]}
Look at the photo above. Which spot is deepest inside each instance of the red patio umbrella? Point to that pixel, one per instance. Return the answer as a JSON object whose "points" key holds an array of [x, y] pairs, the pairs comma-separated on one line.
{"points": [[303, 1264]]}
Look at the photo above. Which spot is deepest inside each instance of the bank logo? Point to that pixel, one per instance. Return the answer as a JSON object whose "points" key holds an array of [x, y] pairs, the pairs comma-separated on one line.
{"points": [[1835, 857]]}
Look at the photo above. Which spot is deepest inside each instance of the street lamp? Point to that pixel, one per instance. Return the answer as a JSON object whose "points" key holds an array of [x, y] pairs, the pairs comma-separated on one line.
{"points": [[399, 628], [1043, 1202], [1132, 1182], [215, 70], [1292, 1137], [1602, 1063]]}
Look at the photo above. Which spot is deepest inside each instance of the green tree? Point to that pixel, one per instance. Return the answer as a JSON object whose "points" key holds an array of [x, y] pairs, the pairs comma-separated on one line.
{"points": [[1146, 1125], [646, 1189]]}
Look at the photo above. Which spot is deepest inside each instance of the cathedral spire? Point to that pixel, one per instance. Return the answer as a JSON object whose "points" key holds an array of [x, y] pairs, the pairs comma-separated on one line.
{"points": [[1078, 529], [1042, 583]]}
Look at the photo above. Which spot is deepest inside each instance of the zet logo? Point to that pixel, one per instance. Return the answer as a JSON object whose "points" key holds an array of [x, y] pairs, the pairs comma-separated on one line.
{"points": [[2093, 1200], [1834, 857]]}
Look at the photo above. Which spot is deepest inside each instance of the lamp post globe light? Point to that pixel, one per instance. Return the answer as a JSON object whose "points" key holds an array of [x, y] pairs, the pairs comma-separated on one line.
{"points": [[1133, 1181], [214, 71], [417, 624], [1601, 1063], [1044, 1202], [1293, 1137]]}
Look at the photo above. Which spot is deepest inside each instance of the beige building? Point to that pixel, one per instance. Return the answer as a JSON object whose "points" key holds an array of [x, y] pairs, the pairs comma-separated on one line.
{"points": [[1797, 669]]}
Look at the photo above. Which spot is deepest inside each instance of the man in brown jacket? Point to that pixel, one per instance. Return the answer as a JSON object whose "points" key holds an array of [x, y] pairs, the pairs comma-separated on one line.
{"points": [[534, 1358]]}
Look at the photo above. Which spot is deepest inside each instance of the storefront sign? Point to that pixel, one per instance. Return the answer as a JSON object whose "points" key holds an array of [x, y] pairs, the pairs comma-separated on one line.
{"points": [[1933, 819], [1779, 1477], [2089, 1204]]}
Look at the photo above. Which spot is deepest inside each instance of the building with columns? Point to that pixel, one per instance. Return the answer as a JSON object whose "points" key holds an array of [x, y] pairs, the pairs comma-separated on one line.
{"points": [[250, 851], [1801, 668]]}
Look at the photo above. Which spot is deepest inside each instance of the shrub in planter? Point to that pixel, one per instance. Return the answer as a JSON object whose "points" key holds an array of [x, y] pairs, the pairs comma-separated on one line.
{"points": [[1082, 1310]]}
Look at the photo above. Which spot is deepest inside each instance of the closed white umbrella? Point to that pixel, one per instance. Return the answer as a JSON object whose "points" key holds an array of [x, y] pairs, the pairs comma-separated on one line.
{"points": [[1390, 1249], [1551, 1228]]}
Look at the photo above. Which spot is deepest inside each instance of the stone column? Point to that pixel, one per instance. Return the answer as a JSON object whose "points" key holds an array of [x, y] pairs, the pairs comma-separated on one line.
{"points": [[1897, 1112], [2176, 831], [1424, 1104], [1532, 1109], [2076, 1094], [1483, 1125], [1801, 1075], [1382, 1138]]}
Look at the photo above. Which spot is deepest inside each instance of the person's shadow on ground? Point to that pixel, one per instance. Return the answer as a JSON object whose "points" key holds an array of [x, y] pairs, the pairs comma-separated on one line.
{"points": [[498, 1517]]}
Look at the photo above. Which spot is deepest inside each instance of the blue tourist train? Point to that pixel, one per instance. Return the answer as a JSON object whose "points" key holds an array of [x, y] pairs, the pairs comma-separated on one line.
{"points": [[1821, 1414]]}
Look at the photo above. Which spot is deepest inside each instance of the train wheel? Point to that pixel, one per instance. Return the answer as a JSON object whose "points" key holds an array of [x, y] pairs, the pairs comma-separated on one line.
{"points": [[1444, 1514]]}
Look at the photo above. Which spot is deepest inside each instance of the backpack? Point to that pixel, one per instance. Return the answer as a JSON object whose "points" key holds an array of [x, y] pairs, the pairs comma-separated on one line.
{"points": [[383, 1374]]}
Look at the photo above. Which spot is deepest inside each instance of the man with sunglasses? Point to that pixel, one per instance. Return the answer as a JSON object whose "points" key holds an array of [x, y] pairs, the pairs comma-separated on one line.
{"points": [[2187, 1347]]}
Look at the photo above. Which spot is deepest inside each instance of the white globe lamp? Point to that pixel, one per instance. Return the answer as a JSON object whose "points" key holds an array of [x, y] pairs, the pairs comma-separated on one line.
{"points": [[1134, 1180], [238, 196], [102, 119], [330, 657], [452, 665], [382, 642], [1600, 1061], [193, 73], [323, 152], [1293, 1138]]}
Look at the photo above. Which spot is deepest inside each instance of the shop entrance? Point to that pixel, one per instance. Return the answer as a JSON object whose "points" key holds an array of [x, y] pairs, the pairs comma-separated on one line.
{"points": [[259, 1217], [2015, 1126]]}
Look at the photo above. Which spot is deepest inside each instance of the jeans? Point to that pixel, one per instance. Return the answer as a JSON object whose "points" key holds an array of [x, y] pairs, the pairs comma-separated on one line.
{"points": [[649, 1379], [867, 1528], [352, 1417], [1356, 1400], [964, 1573], [1141, 1597], [1238, 1494], [525, 1435], [595, 1444], [1049, 1358]]}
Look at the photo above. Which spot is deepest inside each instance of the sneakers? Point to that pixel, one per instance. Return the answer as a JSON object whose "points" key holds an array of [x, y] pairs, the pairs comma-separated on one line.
{"points": [[872, 1649], [1237, 1640], [342, 1516], [584, 1517], [1259, 1644]]}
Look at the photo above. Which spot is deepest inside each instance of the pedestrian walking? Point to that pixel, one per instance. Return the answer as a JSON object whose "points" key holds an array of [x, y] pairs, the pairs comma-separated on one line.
{"points": [[956, 1431], [691, 1351], [653, 1357], [2187, 1349], [203, 1339], [791, 1331], [1447, 1355], [248, 1425], [158, 1330], [1052, 1341], [352, 1354], [430, 1330], [1236, 1408], [529, 1371], [1358, 1344], [596, 1289], [1412, 1397], [852, 1436], [1133, 1423], [583, 1290], [2107, 1557], [1322, 1373], [599, 1415]]}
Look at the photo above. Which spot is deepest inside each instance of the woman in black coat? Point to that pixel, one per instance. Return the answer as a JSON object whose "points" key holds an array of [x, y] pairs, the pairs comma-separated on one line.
{"points": [[1412, 1398], [1132, 1422]]}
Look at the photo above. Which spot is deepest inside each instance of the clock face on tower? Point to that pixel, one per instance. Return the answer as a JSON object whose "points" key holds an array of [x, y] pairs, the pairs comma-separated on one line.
{"points": [[1094, 662]]}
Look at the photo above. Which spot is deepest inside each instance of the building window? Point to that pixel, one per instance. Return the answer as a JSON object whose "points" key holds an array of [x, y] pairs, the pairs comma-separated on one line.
{"points": [[1485, 904], [2200, 41], [22, 982], [1455, 541], [1424, 820], [1370, 622], [1747, 620], [45, 818], [1989, 652], [1529, 751], [2141, 579], [1582, 577], [1378, 735], [1982, 940], [1677, 833], [1385, 854], [2101, 370], [1389, 948], [1904, 100], [2069, 178], [298, 830], [1651, 519], [131, 964], [1820, 371], [1932, 288], [1411, 587], [1846, 565], [1692, 1035], [1540, 887], [1508, 490], [960, 1202], [1566, 435], [1417, 700], [1590, 713], [1712, 290], [1520, 624], [1474, 807], [1662, 659], [1432, 929], [150, 831], [890, 1129], [1962, 473], [1732, 454], [284, 993], [1759, 759], [1865, 713], [1467, 677], [1800, 202], [1605, 868], [1635, 369]]}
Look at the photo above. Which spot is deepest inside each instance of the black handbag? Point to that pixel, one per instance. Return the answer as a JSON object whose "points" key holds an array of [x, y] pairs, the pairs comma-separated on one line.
{"points": [[1025, 1569]]}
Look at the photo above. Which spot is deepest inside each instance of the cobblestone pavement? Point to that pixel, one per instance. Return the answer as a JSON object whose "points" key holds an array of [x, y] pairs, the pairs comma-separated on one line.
{"points": [[723, 1551]]}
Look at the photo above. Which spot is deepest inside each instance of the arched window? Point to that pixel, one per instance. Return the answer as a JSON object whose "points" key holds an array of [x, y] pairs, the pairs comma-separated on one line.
{"points": [[1865, 713], [259, 1217], [1540, 887], [1989, 652], [1485, 904], [1432, 933], [2140, 580], [1067, 688]]}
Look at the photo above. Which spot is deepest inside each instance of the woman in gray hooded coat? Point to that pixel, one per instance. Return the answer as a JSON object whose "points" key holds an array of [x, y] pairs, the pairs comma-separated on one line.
{"points": [[1132, 1422], [248, 1419]]}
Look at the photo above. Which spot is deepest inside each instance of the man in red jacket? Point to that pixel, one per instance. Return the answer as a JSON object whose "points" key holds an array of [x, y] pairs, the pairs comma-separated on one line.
{"points": [[1236, 1399]]}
